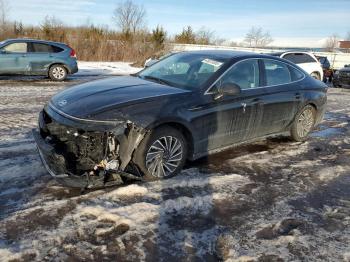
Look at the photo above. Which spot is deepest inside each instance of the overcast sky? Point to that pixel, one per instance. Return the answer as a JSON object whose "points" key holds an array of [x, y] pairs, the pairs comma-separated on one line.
{"points": [[288, 21]]}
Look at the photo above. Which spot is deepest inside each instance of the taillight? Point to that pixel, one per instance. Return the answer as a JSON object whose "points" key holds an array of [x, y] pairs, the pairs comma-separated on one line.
{"points": [[72, 53]]}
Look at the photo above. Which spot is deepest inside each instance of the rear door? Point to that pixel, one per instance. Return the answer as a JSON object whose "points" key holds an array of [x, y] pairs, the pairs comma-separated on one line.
{"points": [[13, 58], [230, 119], [40, 57], [283, 95]]}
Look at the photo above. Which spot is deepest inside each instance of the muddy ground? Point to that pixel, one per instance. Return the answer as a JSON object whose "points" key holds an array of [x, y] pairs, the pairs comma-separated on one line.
{"points": [[273, 200]]}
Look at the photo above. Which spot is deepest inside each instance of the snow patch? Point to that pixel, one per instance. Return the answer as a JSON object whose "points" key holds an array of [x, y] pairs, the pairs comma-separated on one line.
{"points": [[105, 68], [131, 190]]}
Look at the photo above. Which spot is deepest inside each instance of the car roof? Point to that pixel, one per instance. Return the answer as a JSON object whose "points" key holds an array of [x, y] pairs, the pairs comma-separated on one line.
{"points": [[33, 40], [290, 52], [230, 54]]}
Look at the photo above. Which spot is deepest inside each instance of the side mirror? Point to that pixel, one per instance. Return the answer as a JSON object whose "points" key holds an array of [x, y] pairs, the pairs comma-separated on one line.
{"points": [[2, 51], [229, 89]]}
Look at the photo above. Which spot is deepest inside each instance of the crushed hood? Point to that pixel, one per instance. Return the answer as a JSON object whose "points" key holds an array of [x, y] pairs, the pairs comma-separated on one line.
{"points": [[88, 99]]}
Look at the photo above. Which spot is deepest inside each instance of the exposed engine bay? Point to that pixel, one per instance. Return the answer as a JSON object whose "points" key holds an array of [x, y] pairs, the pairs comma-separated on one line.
{"points": [[98, 158]]}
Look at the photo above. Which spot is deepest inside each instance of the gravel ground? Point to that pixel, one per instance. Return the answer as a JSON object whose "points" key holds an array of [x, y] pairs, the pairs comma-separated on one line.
{"points": [[273, 200]]}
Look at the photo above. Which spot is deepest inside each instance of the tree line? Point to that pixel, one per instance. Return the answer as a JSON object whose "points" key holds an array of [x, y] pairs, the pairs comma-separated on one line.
{"points": [[133, 41]]}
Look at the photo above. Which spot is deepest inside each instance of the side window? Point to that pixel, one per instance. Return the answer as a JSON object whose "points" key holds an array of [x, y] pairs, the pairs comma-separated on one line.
{"points": [[276, 72], [16, 48], [299, 58], [42, 48], [295, 73], [245, 74]]}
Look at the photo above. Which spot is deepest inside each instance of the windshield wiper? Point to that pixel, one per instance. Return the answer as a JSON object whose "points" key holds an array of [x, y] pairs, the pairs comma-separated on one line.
{"points": [[159, 80]]}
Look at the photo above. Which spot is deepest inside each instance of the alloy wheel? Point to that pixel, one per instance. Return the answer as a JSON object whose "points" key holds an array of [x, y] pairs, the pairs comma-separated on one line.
{"points": [[59, 72], [305, 122], [164, 156]]}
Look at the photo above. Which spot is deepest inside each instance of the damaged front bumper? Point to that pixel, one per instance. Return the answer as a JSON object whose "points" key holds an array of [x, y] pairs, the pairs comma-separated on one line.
{"points": [[74, 161]]}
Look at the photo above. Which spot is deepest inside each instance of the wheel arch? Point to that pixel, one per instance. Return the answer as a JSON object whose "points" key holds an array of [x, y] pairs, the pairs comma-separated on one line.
{"points": [[311, 104]]}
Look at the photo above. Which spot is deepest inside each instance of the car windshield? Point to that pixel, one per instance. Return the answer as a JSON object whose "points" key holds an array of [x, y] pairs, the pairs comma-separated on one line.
{"points": [[184, 70]]}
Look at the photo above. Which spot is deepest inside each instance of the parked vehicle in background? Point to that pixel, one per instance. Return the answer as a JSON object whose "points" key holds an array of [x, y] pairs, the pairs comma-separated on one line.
{"points": [[327, 70], [37, 57], [186, 106], [305, 60], [342, 77]]}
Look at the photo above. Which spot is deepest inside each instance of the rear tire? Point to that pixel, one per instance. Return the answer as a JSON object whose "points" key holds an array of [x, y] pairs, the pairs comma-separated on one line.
{"points": [[161, 154], [303, 123], [58, 73]]}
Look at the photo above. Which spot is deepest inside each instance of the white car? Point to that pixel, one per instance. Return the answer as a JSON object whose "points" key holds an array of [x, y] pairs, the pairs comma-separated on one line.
{"points": [[305, 60]]}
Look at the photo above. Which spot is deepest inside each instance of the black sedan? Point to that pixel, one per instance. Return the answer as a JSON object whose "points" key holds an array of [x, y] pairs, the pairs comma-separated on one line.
{"points": [[184, 107]]}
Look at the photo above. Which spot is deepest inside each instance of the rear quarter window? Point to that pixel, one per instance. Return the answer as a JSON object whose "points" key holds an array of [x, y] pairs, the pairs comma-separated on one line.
{"points": [[295, 74], [57, 49]]}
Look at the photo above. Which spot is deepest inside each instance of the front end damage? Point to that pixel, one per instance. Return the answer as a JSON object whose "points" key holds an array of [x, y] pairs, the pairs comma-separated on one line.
{"points": [[83, 158]]}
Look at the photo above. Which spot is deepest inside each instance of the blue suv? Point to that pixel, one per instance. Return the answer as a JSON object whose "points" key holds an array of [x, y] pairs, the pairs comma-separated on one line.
{"points": [[37, 57]]}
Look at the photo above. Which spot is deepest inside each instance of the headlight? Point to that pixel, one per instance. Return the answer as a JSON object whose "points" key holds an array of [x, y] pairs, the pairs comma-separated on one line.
{"points": [[336, 72]]}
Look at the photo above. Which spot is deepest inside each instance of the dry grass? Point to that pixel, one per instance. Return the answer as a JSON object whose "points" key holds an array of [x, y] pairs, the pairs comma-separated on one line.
{"points": [[92, 43]]}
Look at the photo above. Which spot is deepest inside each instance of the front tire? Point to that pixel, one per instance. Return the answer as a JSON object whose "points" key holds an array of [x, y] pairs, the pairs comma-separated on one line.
{"points": [[161, 154], [58, 73], [303, 123]]}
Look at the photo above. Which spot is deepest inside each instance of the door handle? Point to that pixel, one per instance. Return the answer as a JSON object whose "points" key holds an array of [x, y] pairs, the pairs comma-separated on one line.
{"points": [[24, 55], [297, 96]]}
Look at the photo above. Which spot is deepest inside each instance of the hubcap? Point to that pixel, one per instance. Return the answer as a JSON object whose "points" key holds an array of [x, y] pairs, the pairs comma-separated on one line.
{"points": [[164, 156], [305, 122], [58, 72]]}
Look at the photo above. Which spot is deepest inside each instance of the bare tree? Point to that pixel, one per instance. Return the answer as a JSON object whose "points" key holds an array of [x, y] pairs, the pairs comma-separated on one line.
{"points": [[205, 36], [53, 29], [129, 17], [331, 43], [256, 37], [4, 11], [220, 41]]}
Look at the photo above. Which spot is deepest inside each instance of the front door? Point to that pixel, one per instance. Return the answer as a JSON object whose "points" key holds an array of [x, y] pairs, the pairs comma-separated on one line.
{"points": [[222, 121], [13, 58]]}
